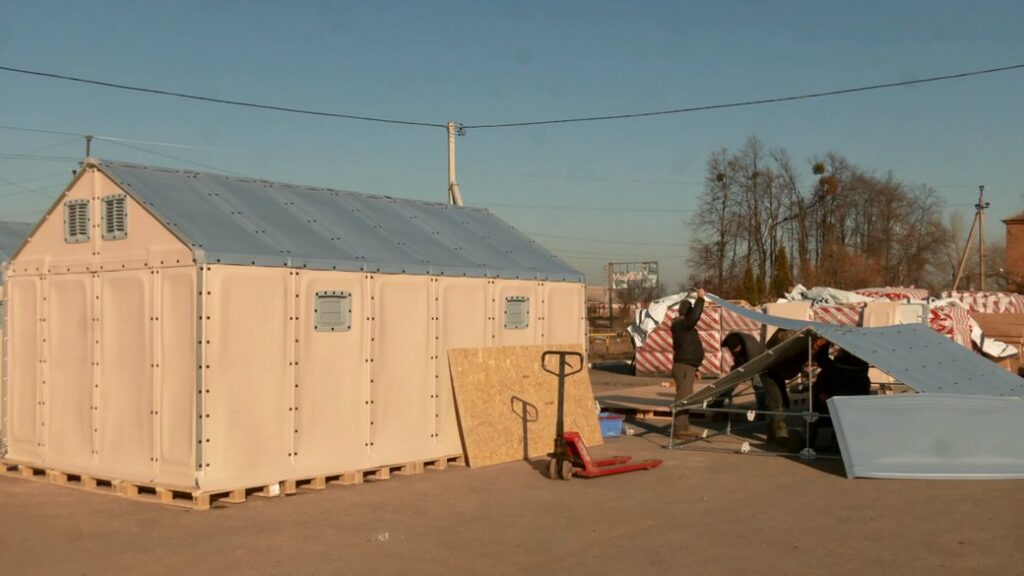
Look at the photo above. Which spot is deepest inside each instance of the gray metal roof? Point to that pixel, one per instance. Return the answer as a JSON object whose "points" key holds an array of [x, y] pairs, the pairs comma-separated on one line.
{"points": [[929, 436], [12, 235], [235, 220]]}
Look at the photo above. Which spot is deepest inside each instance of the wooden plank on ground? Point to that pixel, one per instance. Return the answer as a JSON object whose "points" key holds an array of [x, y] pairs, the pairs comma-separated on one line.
{"points": [[506, 403]]}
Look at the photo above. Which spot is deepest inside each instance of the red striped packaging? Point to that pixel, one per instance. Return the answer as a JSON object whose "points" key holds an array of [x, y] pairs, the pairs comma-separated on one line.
{"points": [[651, 363], [843, 314]]}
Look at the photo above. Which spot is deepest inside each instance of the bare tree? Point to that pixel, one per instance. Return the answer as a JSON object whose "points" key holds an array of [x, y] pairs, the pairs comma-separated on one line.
{"points": [[848, 228]]}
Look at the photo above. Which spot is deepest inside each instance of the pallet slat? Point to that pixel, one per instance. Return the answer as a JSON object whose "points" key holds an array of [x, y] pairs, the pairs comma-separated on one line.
{"points": [[198, 499]]}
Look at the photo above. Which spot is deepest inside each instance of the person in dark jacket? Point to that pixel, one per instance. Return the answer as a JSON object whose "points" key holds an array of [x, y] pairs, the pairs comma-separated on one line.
{"points": [[842, 374], [767, 388], [743, 347], [687, 355]]}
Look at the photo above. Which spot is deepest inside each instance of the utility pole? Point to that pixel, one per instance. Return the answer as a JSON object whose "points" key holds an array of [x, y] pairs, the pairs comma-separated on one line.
{"points": [[611, 291], [978, 223], [454, 195], [88, 145], [980, 206]]}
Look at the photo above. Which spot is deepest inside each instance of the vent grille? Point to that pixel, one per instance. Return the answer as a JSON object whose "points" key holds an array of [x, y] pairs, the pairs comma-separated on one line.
{"points": [[115, 217], [76, 221], [333, 311], [517, 312]]}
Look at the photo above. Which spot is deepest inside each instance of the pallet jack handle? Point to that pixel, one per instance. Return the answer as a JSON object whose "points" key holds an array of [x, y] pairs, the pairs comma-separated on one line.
{"points": [[562, 373], [571, 457]]}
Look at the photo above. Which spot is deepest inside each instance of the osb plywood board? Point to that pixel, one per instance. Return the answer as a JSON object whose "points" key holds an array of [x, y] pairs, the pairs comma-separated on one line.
{"points": [[1006, 327], [507, 404]]}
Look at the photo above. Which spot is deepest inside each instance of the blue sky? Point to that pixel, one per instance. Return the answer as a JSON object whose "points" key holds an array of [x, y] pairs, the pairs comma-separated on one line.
{"points": [[592, 192]]}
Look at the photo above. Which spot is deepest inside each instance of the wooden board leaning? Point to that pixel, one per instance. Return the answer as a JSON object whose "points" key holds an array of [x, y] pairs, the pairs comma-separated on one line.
{"points": [[507, 405]]}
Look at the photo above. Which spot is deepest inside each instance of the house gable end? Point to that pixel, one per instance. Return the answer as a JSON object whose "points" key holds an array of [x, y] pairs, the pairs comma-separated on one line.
{"points": [[97, 225]]}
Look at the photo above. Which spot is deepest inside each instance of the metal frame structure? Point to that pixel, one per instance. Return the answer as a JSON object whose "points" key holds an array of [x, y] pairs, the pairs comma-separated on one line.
{"points": [[704, 397]]}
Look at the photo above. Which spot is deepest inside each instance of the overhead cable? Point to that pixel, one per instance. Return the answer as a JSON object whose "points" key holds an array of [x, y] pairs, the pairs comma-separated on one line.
{"points": [[602, 240], [748, 102], [100, 137], [514, 124], [219, 100]]}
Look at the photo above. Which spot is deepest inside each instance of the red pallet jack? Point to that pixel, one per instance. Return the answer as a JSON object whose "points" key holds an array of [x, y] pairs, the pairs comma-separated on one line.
{"points": [[571, 457]]}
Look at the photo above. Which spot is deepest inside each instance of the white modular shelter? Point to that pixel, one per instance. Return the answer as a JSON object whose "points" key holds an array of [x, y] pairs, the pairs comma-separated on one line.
{"points": [[207, 332]]}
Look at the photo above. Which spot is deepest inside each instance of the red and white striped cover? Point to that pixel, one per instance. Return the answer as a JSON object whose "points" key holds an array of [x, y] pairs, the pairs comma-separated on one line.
{"points": [[652, 363], [991, 302], [655, 356], [953, 322], [712, 364], [894, 293], [733, 322], [710, 319], [843, 314]]}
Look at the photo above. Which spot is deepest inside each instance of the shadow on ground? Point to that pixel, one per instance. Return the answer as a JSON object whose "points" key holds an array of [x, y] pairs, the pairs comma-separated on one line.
{"points": [[725, 439]]}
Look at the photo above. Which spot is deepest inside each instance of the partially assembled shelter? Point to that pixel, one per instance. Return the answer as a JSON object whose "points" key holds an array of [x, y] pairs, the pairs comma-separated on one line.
{"points": [[209, 332], [963, 422]]}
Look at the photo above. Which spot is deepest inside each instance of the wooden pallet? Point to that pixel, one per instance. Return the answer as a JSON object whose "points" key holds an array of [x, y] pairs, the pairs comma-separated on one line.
{"points": [[199, 499]]}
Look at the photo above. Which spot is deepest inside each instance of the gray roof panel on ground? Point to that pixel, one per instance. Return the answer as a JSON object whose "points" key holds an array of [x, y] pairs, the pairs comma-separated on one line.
{"points": [[930, 436], [245, 221], [12, 235]]}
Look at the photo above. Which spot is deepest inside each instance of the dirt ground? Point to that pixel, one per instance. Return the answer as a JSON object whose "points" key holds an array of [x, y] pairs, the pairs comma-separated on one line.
{"points": [[702, 511]]}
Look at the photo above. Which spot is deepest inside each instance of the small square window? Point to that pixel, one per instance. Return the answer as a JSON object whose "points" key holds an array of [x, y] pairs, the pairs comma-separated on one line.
{"points": [[517, 312], [333, 311], [115, 217], [76, 221]]}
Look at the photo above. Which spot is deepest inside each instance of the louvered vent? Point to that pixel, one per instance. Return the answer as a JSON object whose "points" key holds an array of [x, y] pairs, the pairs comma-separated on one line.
{"points": [[333, 311], [115, 217], [517, 312], [76, 221]]}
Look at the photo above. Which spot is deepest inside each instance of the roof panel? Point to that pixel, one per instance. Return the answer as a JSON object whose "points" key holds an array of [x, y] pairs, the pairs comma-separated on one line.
{"points": [[237, 220], [914, 354], [930, 436]]}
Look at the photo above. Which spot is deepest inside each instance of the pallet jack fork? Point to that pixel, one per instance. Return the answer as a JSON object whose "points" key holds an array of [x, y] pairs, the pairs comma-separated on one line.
{"points": [[571, 457]]}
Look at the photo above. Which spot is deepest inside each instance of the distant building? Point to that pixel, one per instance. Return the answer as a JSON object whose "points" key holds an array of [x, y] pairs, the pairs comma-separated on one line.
{"points": [[1015, 252]]}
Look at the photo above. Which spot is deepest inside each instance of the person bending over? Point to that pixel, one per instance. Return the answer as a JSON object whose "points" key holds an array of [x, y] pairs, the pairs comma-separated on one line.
{"points": [[769, 388]]}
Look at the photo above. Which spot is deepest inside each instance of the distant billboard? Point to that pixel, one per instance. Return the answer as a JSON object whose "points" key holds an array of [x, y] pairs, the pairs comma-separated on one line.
{"points": [[636, 275]]}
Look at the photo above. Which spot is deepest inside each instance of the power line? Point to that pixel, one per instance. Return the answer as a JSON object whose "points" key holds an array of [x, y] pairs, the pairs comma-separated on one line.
{"points": [[179, 159], [220, 100], [514, 124], [63, 173], [100, 137], [602, 240], [574, 253], [39, 157], [585, 208], [750, 102], [606, 259], [584, 178], [41, 148]]}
